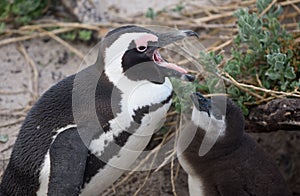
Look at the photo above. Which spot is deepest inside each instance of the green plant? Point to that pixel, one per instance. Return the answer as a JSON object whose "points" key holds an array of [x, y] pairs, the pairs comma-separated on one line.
{"points": [[71, 36], [150, 13], [263, 53], [2, 27], [3, 138], [280, 69], [182, 91], [83, 35], [21, 11], [178, 8]]}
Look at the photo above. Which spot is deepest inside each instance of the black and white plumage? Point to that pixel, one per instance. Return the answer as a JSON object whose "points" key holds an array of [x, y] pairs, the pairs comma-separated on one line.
{"points": [[235, 165], [86, 130]]}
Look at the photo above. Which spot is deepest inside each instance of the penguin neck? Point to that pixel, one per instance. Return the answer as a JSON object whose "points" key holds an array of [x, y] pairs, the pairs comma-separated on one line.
{"points": [[121, 97], [209, 123], [116, 75], [228, 139], [142, 92]]}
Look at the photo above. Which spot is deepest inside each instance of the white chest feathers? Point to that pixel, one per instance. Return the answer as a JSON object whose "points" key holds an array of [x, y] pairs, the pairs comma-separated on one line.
{"points": [[135, 95], [195, 186], [208, 123], [134, 98], [213, 127]]}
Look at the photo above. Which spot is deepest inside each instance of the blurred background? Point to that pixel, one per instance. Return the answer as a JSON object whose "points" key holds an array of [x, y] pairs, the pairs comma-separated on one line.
{"points": [[253, 45]]}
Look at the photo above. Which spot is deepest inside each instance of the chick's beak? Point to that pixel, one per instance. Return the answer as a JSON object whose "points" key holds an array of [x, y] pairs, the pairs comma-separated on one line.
{"points": [[200, 102]]}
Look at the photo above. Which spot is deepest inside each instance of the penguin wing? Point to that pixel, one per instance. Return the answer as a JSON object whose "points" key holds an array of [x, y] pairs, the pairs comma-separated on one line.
{"points": [[233, 190], [232, 183], [68, 156]]}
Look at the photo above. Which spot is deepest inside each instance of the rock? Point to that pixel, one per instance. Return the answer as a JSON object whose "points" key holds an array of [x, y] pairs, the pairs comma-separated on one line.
{"points": [[83, 10], [278, 114]]}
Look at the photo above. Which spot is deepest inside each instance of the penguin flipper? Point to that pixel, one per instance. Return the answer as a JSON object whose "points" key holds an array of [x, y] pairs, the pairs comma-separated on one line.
{"points": [[236, 189], [68, 156]]}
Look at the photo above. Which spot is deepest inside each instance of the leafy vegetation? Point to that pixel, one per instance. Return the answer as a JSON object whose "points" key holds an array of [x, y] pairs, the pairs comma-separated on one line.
{"points": [[182, 90], [83, 35], [178, 8], [150, 13], [263, 54], [3, 138], [21, 11]]}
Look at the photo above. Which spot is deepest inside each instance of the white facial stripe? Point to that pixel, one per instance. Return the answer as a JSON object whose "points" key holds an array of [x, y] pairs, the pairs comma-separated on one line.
{"points": [[113, 55], [209, 124], [134, 96], [118, 48], [213, 128], [143, 40]]}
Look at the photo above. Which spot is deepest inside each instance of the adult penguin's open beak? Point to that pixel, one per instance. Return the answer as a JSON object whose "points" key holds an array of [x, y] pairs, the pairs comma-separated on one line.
{"points": [[173, 36], [171, 69]]}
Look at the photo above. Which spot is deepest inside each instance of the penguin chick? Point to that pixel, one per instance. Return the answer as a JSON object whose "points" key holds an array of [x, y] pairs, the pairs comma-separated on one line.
{"points": [[236, 165]]}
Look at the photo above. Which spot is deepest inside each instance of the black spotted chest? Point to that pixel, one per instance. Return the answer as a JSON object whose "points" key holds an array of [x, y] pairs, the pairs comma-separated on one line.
{"points": [[97, 161]]}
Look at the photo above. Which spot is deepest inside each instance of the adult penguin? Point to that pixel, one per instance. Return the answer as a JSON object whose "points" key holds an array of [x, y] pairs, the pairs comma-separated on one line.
{"points": [[86, 130]]}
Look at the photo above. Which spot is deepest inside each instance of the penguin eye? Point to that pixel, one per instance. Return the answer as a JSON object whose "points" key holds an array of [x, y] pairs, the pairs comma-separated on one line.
{"points": [[142, 48]]}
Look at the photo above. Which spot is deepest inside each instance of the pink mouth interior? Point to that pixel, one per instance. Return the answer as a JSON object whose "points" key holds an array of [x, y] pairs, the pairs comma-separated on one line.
{"points": [[161, 62]]}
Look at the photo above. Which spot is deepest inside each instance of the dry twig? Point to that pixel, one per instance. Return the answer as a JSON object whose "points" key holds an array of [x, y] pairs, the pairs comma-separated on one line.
{"points": [[11, 92], [64, 43], [267, 8], [35, 90], [12, 123], [32, 36], [241, 85]]}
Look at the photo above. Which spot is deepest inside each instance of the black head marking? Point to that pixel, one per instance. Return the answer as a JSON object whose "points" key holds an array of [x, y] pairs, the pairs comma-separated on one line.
{"points": [[139, 65], [116, 33], [127, 29], [116, 30], [215, 106], [112, 36], [141, 60], [201, 103]]}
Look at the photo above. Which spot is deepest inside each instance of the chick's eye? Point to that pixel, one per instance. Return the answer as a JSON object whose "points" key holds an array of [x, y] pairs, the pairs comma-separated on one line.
{"points": [[141, 48]]}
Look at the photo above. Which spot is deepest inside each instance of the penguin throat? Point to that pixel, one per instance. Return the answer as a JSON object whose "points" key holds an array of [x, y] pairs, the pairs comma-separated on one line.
{"points": [[210, 124], [157, 58]]}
